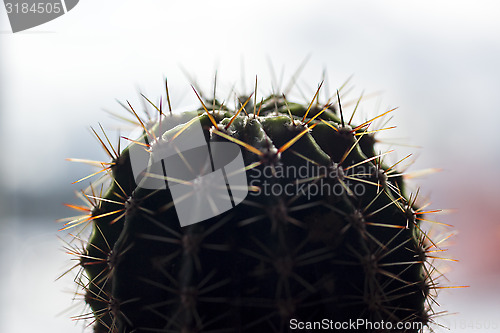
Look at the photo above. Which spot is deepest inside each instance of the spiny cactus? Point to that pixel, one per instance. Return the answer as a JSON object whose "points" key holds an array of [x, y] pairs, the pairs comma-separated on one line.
{"points": [[321, 235]]}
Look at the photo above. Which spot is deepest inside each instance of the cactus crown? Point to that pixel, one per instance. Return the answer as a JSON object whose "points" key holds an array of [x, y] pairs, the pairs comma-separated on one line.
{"points": [[321, 229]]}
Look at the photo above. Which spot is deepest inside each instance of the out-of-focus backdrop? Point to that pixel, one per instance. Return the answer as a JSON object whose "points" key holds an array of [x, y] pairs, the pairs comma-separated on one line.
{"points": [[437, 60]]}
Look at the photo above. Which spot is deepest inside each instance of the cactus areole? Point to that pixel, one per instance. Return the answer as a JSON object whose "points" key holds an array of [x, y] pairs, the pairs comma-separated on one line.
{"points": [[270, 216]]}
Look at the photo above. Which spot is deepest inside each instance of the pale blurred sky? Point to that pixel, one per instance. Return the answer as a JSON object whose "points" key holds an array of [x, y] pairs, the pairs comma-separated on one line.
{"points": [[437, 60]]}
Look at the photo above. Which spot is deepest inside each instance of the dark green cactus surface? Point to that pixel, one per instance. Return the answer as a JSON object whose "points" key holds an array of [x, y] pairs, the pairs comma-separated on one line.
{"points": [[336, 244]]}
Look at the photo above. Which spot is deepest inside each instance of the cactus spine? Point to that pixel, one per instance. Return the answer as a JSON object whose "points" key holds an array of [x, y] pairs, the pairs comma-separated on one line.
{"points": [[340, 241]]}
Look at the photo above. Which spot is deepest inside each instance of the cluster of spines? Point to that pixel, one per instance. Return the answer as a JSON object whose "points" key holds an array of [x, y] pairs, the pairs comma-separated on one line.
{"points": [[108, 211]]}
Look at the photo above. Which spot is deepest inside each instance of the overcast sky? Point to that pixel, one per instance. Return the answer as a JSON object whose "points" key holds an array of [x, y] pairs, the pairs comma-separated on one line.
{"points": [[437, 61]]}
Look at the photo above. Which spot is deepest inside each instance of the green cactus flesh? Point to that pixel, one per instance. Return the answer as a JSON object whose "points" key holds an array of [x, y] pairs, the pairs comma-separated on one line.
{"points": [[276, 259]]}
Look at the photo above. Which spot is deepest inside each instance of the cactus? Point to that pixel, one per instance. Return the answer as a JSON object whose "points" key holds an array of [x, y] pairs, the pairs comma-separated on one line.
{"points": [[336, 244]]}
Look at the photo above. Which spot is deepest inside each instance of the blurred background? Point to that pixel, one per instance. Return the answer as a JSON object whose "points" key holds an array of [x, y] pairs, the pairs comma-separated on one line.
{"points": [[437, 61]]}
